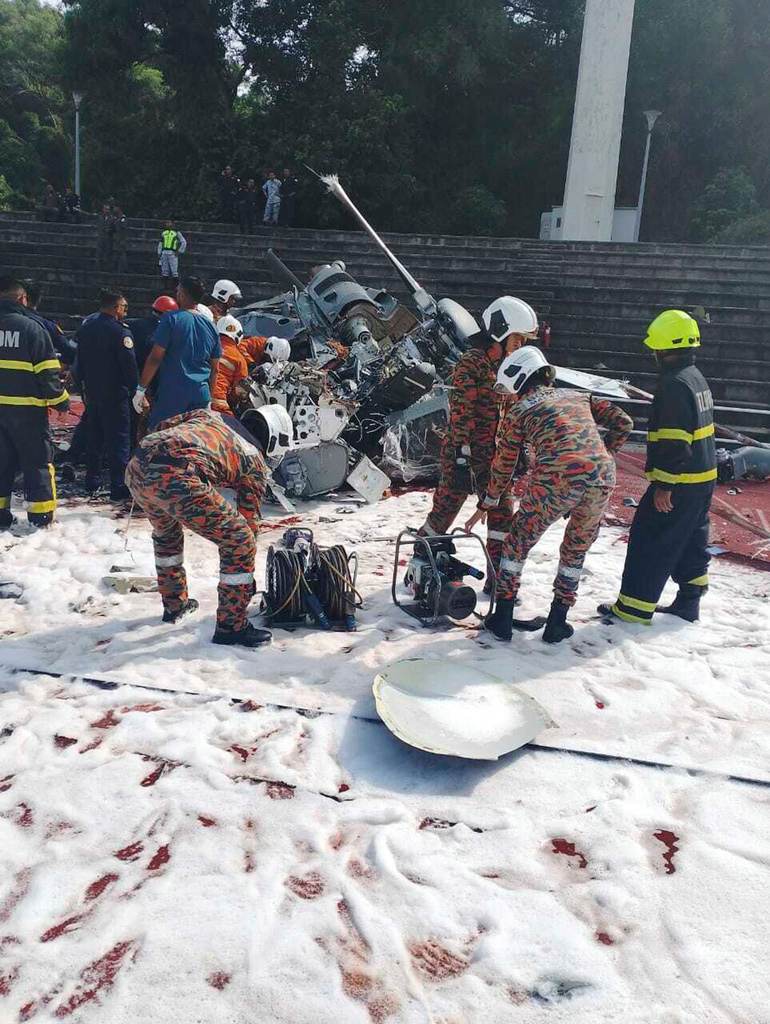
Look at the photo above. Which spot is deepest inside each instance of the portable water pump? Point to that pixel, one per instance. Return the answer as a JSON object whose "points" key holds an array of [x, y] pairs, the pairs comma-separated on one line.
{"points": [[435, 577], [304, 580]]}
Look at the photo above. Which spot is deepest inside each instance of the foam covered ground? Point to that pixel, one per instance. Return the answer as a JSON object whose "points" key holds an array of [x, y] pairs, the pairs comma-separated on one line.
{"points": [[177, 858]]}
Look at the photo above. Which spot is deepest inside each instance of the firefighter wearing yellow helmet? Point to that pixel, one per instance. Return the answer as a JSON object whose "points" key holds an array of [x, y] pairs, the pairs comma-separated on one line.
{"points": [[670, 533]]}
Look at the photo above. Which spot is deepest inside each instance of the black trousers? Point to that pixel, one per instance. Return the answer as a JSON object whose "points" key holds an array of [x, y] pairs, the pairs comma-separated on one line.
{"points": [[109, 429], [25, 446], [663, 545]]}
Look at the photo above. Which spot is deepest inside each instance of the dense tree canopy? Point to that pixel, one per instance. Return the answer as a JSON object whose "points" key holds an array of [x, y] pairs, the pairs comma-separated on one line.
{"points": [[437, 115]]}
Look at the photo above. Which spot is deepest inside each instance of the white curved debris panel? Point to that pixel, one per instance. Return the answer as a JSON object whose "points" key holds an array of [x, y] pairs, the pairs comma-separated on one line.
{"points": [[450, 707]]}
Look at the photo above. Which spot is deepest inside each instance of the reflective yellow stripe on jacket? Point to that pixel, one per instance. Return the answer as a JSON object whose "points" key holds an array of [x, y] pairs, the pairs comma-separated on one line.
{"points": [[40, 403], [673, 434], [661, 476]]}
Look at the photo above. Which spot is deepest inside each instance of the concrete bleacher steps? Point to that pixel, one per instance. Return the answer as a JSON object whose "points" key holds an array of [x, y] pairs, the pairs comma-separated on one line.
{"points": [[598, 297]]}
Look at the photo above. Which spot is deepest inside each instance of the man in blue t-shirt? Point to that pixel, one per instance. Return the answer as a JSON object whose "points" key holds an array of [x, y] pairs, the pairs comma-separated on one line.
{"points": [[184, 356]]}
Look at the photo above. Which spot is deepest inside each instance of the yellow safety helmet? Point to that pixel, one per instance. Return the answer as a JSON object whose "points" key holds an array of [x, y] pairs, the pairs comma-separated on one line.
{"points": [[673, 331]]}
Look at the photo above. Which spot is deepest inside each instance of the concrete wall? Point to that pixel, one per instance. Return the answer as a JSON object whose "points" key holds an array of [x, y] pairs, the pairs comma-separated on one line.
{"points": [[592, 173]]}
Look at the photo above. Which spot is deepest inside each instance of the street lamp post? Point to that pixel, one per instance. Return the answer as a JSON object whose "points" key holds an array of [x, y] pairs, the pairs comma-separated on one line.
{"points": [[652, 116], [77, 99]]}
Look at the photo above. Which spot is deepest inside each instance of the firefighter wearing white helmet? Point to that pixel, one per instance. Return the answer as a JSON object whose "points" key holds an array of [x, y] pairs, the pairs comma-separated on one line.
{"points": [[224, 296], [278, 350], [273, 429], [510, 318], [473, 418], [572, 475], [232, 367]]}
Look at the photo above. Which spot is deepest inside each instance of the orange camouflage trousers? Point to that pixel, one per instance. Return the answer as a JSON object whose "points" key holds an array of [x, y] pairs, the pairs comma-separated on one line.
{"points": [[448, 499], [546, 500], [174, 496]]}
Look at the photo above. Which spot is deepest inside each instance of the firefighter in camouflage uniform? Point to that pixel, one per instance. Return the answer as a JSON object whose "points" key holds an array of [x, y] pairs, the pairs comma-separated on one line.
{"points": [[474, 407], [174, 476], [572, 475]]}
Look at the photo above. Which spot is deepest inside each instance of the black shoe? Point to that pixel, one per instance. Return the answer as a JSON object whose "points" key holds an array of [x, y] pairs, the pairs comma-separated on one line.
{"points": [[557, 628], [249, 636], [606, 612], [121, 493], [40, 520], [500, 622], [686, 604], [180, 613], [6, 519]]}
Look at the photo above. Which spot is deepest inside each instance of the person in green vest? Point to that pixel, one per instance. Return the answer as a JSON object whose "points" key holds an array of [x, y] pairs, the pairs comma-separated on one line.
{"points": [[170, 247]]}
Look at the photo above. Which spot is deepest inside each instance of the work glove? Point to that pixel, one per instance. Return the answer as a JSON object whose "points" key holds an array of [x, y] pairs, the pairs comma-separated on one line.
{"points": [[139, 401], [462, 476]]}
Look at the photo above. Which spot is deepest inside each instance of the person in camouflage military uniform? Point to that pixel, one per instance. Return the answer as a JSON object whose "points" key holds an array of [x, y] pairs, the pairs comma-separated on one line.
{"points": [[572, 476], [469, 446], [174, 476]]}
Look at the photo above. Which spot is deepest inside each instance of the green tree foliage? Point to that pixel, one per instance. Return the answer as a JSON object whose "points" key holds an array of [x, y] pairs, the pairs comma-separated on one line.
{"points": [[437, 115], [730, 197], [34, 145]]}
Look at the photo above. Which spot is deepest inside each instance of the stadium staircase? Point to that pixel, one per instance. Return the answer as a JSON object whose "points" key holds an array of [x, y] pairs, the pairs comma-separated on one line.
{"points": [[598, 297]]}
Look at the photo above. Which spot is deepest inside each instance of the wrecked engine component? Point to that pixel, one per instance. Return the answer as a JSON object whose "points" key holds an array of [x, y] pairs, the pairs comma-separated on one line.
{"points": [[743, 464], [308, 472], [411, 443]]}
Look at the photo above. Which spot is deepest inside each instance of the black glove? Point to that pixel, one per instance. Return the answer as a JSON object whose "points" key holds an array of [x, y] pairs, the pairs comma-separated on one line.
{"points": [[462, 476]]}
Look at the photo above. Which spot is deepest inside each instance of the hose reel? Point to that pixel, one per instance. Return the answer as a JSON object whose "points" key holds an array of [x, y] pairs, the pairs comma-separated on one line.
{"points": [[304, 580]]}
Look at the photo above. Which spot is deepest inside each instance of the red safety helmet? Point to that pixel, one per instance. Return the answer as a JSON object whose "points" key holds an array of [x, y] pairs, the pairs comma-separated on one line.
{"points": [[165, 304]]}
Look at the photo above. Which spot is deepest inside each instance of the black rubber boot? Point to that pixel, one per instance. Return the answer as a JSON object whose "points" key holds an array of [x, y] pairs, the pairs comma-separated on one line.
{"points": [[557, 628], [120, 493], [500, 622], [686, 604], [180, 613], [249, 636], [40, 520], [606, 612]]}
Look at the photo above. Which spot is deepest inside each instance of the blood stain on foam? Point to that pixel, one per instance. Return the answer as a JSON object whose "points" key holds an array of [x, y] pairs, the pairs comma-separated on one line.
{"points": [[63, 928], [604, 938], [239, 751], [143, 707], [130, 852], [160, 857], [98, 977], [20, 815], [280, 791], [669, 840], [6, 783], [92, 745], [600, 704], [567, 849], [206, 822], [435, 961], [107, 721], [307, 887], [96, 888], [219, 980], [62, 742], [163, 768], [16, 895], [7, 981]]}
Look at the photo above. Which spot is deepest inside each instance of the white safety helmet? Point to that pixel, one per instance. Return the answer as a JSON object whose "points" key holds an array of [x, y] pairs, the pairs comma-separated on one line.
{"points": [[273, 429], [516, 369], [225, 290], [508, 315], [231, 327], [278, 350], [204, 311]]}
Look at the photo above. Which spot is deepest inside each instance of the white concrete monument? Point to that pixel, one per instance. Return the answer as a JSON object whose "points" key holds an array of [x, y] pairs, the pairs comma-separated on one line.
{"points": [[592, 173]]}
